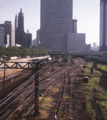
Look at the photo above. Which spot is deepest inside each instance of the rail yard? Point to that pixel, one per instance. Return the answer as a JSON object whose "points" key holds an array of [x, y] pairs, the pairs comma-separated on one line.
{"points": [[69, 89]]}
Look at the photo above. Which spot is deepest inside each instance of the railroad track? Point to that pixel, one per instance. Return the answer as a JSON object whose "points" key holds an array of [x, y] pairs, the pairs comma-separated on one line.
{"points": [[33, 78], [45, 85], [8, 78], [66, 105], [11, 85], [42, 87], [99, 115], [98, 110], [14, 82]]}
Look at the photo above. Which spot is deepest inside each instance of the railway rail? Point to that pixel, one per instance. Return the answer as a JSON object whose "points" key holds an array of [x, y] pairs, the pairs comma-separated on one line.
{"points": [[11, 105], [14, 83], [66, 105], [4, 106]]}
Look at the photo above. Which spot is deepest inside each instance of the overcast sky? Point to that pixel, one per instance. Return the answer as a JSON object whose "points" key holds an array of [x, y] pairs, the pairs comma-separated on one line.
{"points": [[85, 11]]}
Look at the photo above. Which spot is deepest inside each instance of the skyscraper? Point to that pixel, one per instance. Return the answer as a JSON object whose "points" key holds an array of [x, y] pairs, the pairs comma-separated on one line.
{"points": [[19, 27], [56, 23], [22, 38], [16, 21], [103, 25], [9, 29], [21, 20], [28, 39], [58, 31], [1, 36]]}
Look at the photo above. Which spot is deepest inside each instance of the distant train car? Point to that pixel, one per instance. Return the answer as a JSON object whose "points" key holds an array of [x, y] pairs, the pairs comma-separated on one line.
{"points": [[101, 59]]}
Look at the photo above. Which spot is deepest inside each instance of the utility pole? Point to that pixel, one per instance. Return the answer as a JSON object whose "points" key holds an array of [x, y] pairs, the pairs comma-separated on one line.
{"points": [[4, 82]]}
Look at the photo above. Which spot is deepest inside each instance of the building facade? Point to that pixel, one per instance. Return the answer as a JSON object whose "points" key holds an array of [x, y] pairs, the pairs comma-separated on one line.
{"points": [[76, 42], [22, 38], [28, 40], [1, 36], [9, 29], [56, 23], [19, 27], [58, 31], [103, 25]]}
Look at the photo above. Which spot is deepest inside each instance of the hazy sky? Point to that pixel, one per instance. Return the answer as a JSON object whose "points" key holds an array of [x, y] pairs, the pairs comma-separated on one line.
{"points": [[85, 11]]}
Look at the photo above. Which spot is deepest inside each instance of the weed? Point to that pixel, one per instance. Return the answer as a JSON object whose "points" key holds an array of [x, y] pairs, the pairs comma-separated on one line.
{"points": [[42, 107], [93, 89], [102, 67]]}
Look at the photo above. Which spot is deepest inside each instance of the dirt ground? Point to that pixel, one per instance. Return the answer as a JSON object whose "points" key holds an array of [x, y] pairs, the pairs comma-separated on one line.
{"points": [[50, 98]]}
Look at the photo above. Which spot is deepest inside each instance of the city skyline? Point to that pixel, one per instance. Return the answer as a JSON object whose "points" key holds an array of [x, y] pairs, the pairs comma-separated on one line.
{"points": [[86, 12]]}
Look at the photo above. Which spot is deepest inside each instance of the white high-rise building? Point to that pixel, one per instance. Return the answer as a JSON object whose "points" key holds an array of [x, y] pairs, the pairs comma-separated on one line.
{"points": [[12, 35]]}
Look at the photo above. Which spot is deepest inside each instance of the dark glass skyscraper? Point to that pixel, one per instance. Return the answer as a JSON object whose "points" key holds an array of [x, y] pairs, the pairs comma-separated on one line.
{"points": [[22, 38], [19, 26], [21, 20]]}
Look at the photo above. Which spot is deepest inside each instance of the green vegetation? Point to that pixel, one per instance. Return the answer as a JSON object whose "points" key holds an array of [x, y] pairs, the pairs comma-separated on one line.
{"points": [[45, 104], [89, 65], [22, 51], [102, 67], [88, 71], [92, 89]]}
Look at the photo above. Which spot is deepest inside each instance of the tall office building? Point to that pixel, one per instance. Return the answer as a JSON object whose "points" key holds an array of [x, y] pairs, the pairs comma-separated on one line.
{"points": [[19, 27], [12, 35], [58, 31], [56, 23], [28, 39], [22, 38], [21, 20], [103, 25], [16, 21], [1, 36], [9, 29], [74, 26]]}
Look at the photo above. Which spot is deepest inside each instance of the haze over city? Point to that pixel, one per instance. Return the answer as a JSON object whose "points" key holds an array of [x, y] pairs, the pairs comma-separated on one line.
{"points": [[53, 59], [85, 11]]}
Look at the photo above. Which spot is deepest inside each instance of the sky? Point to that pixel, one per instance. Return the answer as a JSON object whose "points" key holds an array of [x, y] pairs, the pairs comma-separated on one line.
{"points": [[87, 12]]}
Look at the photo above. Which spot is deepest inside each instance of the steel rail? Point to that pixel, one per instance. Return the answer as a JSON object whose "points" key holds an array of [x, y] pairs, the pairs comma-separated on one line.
{"points": [[51, 80]]}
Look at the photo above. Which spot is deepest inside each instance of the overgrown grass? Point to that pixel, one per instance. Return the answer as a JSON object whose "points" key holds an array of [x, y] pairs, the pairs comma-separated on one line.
{"points": [[65, 101], [45, 104], [88, 89], [93, 89], [102, 67], [89, 64]]}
